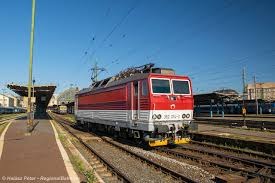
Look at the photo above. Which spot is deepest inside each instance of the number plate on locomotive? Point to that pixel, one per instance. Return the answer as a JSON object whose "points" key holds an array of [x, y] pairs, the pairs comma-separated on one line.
{"points": [[172, 116]]}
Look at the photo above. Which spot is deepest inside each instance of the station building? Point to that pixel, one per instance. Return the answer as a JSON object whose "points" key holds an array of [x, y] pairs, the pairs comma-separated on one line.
{"points": [[265, 91], [53, 101]]}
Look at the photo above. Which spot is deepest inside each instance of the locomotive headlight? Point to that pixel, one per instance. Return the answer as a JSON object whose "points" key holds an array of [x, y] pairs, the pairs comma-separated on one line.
{"points": [[154, 116], [159, 116]]}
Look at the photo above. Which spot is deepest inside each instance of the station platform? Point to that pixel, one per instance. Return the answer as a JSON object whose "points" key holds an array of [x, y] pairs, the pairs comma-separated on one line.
{"points": [[38, 157]]}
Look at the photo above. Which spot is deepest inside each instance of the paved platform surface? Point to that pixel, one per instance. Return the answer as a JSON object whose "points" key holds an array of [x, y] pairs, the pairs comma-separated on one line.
{"points": [[240, 133], [35, 157]]}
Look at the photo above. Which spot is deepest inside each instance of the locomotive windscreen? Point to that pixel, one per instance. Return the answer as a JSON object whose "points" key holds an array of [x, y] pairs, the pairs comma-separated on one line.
{"points": [[161, 86], [181, 87]]}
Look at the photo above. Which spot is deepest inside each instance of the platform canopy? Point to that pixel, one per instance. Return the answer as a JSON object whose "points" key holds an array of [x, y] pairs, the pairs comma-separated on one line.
{"points": [[214, 98], [43, 94]]}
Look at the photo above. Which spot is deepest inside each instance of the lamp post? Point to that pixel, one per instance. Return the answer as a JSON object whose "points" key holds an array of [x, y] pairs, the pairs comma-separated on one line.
{"points": [[30, 120]]}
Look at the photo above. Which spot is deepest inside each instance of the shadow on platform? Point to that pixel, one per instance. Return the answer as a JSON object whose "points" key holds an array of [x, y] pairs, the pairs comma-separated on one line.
{"points": [[37, 117]]}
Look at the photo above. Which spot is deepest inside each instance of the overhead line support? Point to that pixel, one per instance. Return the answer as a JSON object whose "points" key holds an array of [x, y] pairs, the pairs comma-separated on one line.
{"points": [[29, 110]]}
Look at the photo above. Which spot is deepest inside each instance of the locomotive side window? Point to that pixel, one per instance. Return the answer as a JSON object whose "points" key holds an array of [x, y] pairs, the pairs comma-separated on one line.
{"points": [[144, 88], [181, 87], [161, 86]]}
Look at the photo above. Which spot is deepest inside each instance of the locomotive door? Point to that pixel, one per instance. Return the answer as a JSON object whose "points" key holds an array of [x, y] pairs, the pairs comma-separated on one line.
{"points": [[135, 100]]}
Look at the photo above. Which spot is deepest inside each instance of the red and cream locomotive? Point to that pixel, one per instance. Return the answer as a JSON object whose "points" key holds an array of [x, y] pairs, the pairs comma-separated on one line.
{"points": [[150, 104]]}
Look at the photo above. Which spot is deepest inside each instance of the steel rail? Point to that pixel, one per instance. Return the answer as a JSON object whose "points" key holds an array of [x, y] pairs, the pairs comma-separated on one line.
{"points": [[255, 144], [255, 163], [165, 170], [158, 166], [216, 164], [238, 151], [13, 117], [120, 176], [3, 121]]}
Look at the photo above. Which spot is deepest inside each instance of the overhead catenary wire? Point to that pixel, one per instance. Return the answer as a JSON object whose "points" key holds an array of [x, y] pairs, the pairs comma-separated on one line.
{"points": [[205, 29], [115, 61], [232, 63], [213, 72], [219, 69], [226, 80], [202, 19], [116, 26], [224, 77], [95, 35]]}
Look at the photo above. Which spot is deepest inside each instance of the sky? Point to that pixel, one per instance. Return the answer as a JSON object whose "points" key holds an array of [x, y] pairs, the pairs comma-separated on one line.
{"points": [[211, 41]]}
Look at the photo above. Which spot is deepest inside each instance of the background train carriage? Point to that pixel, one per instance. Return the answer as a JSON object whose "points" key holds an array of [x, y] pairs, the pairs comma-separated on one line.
{"points": [[62, 109], [236, 108], [10, 110], [59, 109], [6, 110], [156, 106]]}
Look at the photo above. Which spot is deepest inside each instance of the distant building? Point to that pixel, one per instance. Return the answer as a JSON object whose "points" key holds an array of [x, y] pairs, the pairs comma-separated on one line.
{"points": [[17, 101], [265, 91], [6, 101], [53, 100], [24, 102]]}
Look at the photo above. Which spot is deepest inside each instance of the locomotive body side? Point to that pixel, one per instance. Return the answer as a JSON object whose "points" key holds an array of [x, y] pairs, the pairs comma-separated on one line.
{"points": [[151, 107], [105, 106]]}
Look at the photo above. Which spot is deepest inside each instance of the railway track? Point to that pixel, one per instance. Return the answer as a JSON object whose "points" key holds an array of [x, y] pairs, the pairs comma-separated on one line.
{"points": [[249, 153], [248, 167], [254, 145], [3, 121], [228, 163], [238, 123], [99, 161], [122, 176]]}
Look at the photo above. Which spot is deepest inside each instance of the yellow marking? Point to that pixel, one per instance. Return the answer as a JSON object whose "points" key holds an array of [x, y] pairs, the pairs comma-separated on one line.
{"points": [[158, 143], [182, 141], [167, 141]]}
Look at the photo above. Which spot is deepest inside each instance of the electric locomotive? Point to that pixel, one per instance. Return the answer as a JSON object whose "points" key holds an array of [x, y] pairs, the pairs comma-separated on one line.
{"points": [[151, 105]]}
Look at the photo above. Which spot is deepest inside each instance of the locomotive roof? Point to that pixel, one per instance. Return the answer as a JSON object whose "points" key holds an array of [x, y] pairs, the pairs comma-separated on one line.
{"points": [[109, 82], [112, 82]]}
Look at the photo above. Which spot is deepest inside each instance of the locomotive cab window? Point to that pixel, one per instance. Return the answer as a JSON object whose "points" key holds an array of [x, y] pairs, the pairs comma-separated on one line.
{"points": [[181, 87], [161, 86]]}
